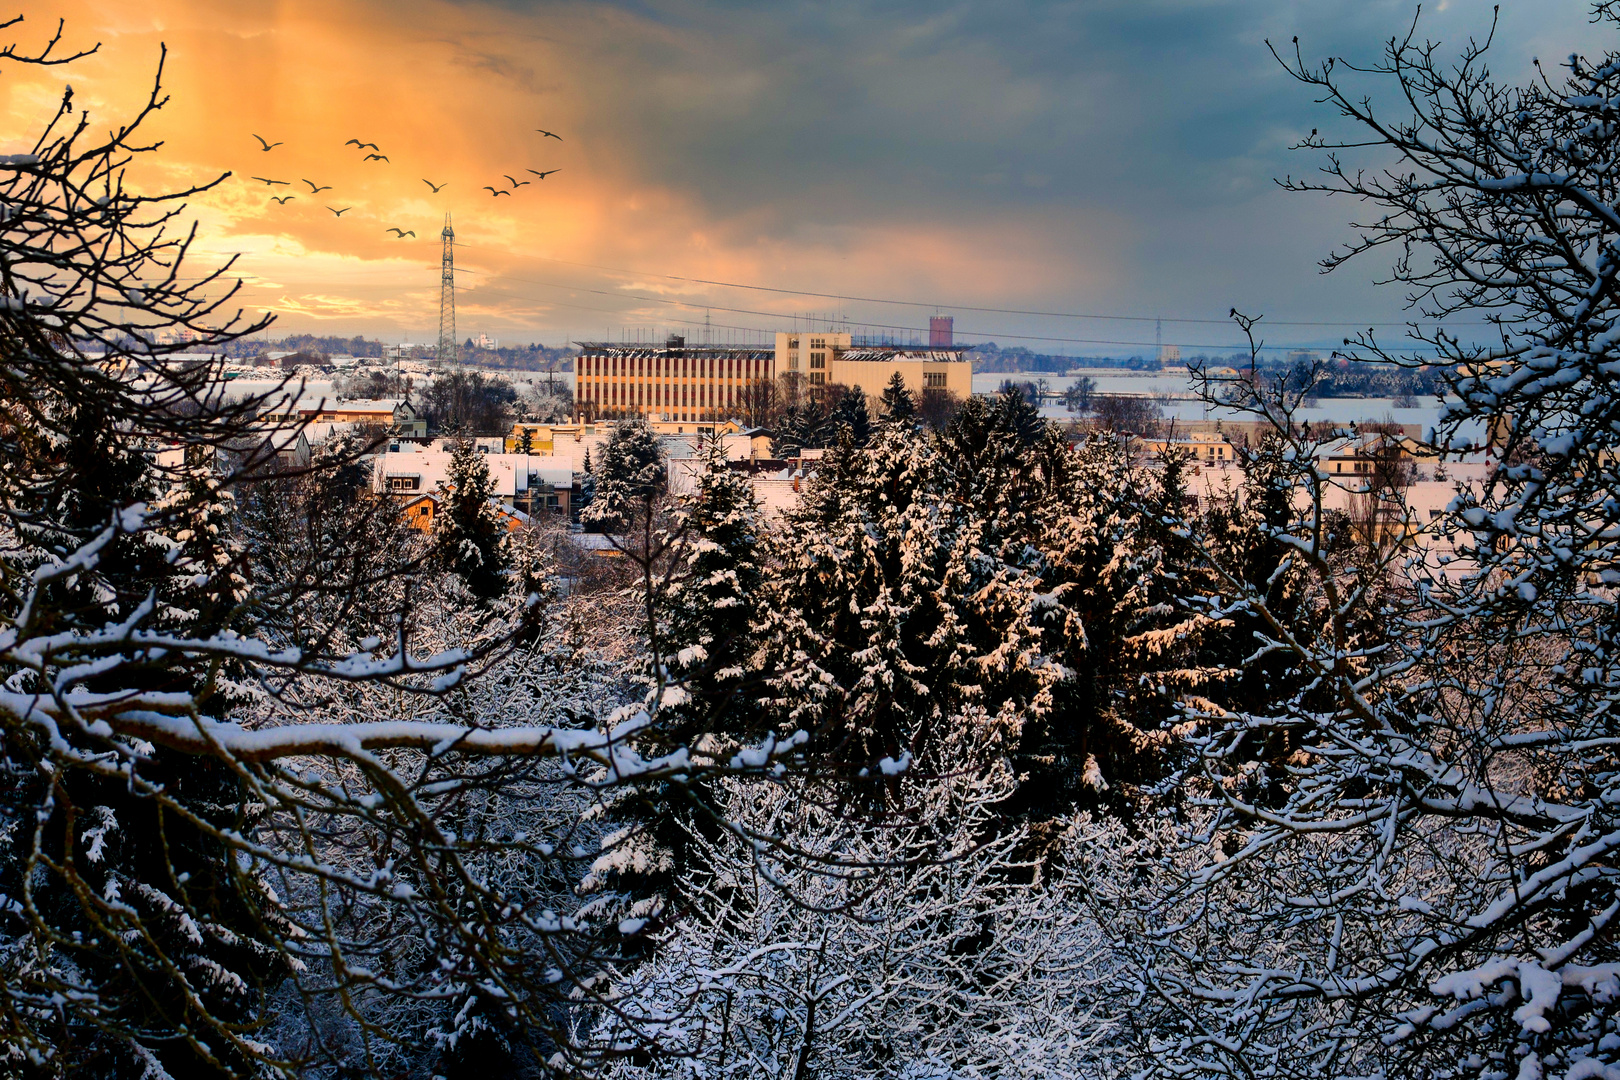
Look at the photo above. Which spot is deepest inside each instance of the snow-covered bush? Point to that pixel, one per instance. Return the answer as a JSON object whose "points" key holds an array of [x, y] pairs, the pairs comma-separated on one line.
{"points": [[919, 943]]}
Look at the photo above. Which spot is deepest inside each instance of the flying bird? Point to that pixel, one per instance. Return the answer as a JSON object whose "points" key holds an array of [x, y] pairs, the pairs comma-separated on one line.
{"points": [[282, 199], [543, 175], [436, 188], [494, 191], [362, 145], [375, 157], [267, 183], [516, 183], [313, 190], [549, 134], [401, 233], [341, 212], [268, 146]]}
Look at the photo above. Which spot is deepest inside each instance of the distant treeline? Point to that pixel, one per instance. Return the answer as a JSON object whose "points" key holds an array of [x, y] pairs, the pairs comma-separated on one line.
{"points": [[1336, 378], [1350, 378], [990, 357], [532, 357], [324, 344]]}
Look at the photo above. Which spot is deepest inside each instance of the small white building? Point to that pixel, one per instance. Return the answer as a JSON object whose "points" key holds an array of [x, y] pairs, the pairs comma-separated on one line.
{"points": [[528, 482]]}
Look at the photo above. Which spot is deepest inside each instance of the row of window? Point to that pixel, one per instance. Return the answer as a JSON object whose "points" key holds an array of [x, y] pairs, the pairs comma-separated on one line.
{"points": [[673, 367], [701, 395]]}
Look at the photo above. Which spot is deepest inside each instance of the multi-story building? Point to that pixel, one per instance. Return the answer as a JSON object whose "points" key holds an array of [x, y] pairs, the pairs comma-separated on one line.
{"points": [[808, 355], [673, 382], [679, 383], [833, 358]]}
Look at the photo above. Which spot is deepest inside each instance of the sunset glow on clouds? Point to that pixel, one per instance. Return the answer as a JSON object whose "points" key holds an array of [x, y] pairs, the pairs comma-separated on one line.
{"points": [[997, 155]]}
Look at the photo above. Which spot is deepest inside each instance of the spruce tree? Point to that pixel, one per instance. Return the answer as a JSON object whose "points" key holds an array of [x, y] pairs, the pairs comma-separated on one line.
{"points": [[851, 413], [196, 906], [707, 647], [470, 538], [704, 672], [587, 488], [862, 628], [899, 407], [630, 475], [795, 432]]}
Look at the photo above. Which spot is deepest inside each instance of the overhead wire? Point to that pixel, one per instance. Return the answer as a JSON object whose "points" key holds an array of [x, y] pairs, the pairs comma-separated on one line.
{"points": [[965, 332], [937, 306]]}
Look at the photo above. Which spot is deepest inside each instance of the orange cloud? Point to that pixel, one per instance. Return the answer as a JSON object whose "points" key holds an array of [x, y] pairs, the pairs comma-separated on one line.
{"points": [[453, 93]]}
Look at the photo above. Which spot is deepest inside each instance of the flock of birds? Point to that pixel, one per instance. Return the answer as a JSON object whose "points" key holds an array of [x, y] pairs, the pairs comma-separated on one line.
{"points": [[377, 155]]}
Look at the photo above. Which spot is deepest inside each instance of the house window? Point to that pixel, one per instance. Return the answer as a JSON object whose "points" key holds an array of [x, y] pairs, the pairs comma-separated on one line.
{"points": [[818, 360], [793, 360], [404, 483], [817, 378], [933, 380], [793, 342]]}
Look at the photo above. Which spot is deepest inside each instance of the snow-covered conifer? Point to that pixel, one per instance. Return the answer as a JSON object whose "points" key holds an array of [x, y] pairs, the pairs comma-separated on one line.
{"points": [[630, 476], [850, 412], [467, 530]]}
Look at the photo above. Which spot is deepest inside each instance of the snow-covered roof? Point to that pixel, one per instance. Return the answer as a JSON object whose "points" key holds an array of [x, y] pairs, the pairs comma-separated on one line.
{"points": [[327, 403], [509, 474], [387, 405]]}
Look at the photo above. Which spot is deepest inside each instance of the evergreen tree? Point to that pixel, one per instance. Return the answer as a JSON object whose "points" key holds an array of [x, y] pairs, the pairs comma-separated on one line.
{"points": [[898, 405], [704, 673], [1021, 416], [630, 475], [796, 431], [851, 413], [861, 621], [469, 534], [587, 488], [708, 650], [196, 906]]}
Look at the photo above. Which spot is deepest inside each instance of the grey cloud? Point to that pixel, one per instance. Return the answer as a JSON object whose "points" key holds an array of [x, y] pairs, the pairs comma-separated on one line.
{"points": [[1169, 117]]}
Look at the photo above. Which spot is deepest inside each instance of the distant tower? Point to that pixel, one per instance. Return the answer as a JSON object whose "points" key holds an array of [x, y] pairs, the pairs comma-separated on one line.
{"points": [[941, 331], [1168, 355], [448, 350]]}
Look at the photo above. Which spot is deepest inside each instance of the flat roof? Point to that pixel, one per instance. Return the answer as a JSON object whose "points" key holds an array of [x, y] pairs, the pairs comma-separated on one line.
{"points": [[908, 352], [664, 348]]}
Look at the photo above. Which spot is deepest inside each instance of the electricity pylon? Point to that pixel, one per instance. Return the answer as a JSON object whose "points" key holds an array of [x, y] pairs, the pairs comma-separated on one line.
{"points": [[448, 351]]}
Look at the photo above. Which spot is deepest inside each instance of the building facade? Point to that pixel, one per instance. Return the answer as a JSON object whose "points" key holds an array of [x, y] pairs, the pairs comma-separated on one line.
{"points": [[833, 359], [677, 383], [673, 382]]}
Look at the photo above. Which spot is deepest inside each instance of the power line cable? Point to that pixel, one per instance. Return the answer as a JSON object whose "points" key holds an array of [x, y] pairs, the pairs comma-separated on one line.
{"points": [[1225, 347], [937, 306]]}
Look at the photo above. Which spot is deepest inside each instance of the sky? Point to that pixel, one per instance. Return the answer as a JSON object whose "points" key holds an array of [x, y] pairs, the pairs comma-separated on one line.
{"points": [[1079, 157]]}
